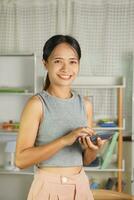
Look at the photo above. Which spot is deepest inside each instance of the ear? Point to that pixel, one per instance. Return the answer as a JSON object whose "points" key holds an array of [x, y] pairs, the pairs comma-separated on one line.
{"points": [[44, 63]]}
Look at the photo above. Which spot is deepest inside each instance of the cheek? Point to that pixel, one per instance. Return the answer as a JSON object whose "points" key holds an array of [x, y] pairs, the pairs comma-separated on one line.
{"points": [[52, 73], [76, 69], [55, 67], [52, 69]]}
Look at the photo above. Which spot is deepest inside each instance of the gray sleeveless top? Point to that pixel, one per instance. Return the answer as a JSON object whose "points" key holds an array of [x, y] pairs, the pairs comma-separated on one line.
{"points": [[61, 117]]}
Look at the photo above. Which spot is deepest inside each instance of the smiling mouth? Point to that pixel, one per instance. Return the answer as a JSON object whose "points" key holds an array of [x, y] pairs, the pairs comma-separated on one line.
{"points": [[64, 77]]}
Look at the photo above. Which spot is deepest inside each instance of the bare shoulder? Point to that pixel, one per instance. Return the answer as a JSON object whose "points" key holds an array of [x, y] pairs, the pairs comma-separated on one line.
{"points": [[34, 101], [33, 107], [88, 104], [89, 111]]}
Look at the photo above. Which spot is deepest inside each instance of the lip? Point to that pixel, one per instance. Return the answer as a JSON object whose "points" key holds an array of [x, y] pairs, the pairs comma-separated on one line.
{"points": [[64, 76]]}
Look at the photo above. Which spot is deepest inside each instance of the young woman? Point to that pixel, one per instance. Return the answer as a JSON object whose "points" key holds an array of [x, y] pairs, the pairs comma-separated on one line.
{"points": [[55, 128]]}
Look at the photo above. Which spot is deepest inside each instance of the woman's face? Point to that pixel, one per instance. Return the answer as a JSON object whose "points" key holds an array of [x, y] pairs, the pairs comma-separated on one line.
{"points": [[62, 65]]}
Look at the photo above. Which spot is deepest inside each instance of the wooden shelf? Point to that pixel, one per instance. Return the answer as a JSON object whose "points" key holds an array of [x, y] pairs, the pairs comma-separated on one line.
{"points": [[18, 54], [8, 132], [112, 168], [111, 128], [7, 136], [13, 172], [118, 84], [17, 93], [99, 82]]}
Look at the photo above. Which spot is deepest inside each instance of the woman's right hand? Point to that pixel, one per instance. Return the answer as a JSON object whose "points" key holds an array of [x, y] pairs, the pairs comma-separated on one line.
{"points": [[71, 137]]}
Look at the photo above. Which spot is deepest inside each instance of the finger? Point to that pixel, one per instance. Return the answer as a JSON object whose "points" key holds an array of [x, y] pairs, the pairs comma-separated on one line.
{"points": [[84, 142], [91, 130], [91, 145], [81, 143], [88, 130], [100, 142], [80, 140], [82, 134], [85, 131]]}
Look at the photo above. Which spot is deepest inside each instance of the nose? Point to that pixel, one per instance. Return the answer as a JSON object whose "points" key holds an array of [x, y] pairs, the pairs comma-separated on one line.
{"points": [[65, 67]]}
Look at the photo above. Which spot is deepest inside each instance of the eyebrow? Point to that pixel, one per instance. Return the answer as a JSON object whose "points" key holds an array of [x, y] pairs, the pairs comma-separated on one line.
{"points": [[63, 58]]}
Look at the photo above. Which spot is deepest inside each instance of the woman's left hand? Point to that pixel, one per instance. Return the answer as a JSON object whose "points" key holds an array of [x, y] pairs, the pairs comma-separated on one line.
{"points": [[86, 143], [90, 150]]}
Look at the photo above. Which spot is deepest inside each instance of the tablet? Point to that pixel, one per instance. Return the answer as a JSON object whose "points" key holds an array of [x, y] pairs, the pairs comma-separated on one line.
{"points": [[102, 135]]}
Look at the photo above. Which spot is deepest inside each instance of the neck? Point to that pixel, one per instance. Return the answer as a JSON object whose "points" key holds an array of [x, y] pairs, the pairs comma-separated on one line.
{"points": [[63, 93]]}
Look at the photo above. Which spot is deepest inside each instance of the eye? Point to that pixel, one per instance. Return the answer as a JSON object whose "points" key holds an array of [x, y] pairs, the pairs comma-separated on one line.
{"points": [[57, 61], [73, 62]]}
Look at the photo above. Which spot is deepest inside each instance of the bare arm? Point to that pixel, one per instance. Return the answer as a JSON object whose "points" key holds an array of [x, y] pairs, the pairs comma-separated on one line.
{"points": [[26, 153]]}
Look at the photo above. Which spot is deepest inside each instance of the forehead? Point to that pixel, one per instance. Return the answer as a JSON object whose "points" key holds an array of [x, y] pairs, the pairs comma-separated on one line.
{"points": [[64, 50]]}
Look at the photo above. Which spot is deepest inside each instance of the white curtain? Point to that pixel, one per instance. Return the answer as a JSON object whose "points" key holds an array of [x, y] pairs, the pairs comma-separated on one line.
{"points": [[26, 25], [104, 28]]}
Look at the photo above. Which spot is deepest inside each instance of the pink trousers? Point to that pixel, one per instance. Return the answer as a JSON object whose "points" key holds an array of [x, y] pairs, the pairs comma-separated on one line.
{"points": [[50, 186]]}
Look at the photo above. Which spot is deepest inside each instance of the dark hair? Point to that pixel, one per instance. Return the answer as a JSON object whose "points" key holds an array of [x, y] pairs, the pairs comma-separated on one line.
{"points": [[52, 42]]}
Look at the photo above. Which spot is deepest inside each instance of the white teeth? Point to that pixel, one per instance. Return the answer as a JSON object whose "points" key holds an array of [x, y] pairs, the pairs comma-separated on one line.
{"points": [[65, 76]]}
